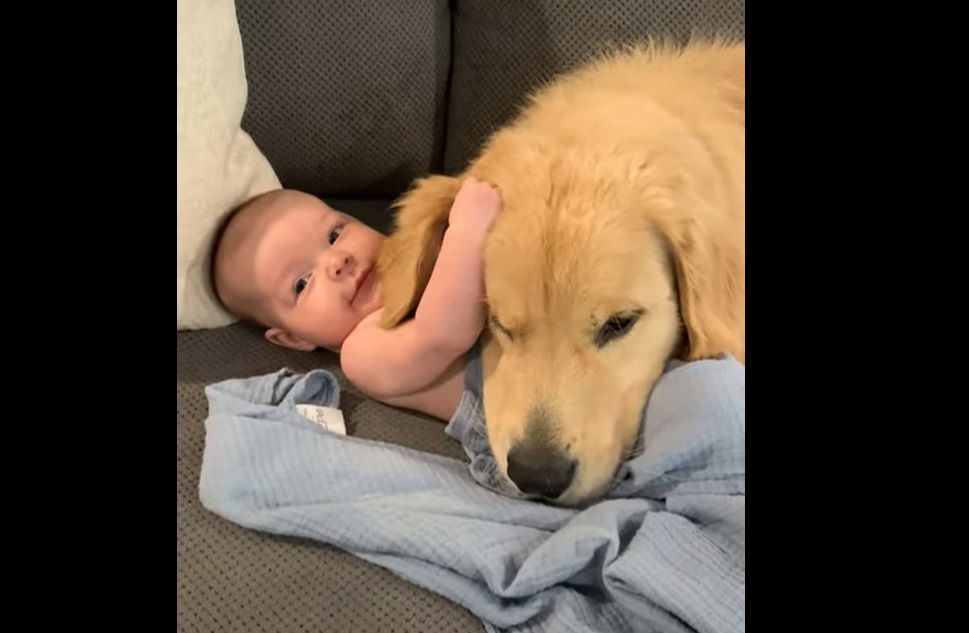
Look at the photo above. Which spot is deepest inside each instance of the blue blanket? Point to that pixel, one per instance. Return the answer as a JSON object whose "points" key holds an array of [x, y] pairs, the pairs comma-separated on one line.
{"points": [[665, 551]]}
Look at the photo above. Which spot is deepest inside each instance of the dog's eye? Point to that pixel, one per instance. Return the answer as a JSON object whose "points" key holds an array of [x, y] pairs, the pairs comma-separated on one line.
{"points": [[497, 326], [617, 326]]}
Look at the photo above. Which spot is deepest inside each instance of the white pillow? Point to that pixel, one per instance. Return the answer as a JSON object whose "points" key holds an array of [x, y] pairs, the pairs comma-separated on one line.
{"points": [[219, 165]]}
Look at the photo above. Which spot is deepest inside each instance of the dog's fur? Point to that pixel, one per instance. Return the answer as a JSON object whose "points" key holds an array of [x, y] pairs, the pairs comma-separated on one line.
{"points": [[623, 190]]}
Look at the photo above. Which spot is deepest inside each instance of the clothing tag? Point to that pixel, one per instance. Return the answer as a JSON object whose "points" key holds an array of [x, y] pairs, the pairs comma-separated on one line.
{"points": [[329, 418]]}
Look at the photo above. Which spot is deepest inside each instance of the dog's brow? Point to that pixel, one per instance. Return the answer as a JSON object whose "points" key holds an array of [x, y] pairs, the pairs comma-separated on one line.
{"points": [[598, 318]]}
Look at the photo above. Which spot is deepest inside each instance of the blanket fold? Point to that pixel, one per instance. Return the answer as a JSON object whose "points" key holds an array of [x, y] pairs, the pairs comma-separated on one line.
{"points": [[664, 551]]}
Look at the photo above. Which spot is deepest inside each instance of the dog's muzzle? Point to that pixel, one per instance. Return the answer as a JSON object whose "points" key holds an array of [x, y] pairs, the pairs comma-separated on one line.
{"points": [[536, 464]]}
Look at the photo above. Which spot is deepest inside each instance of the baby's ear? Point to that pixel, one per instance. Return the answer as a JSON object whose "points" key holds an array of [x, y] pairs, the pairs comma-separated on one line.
{"points": [[287, 339], [410, 251]]}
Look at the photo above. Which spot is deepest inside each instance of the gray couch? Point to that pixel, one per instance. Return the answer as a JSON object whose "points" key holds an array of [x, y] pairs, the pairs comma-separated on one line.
{"points": [[351, 101]]}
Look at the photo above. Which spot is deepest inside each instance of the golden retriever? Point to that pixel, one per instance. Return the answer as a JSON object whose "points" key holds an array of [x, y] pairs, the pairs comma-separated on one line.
{"points": [[620, 245]]}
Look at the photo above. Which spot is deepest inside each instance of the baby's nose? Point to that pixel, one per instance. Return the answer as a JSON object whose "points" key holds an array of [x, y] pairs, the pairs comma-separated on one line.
{"points": [[339, 265]]}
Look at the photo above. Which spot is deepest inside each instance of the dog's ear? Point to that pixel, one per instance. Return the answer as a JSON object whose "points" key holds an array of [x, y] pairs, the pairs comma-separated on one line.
{"points": [[709, 259], [410, 251]]}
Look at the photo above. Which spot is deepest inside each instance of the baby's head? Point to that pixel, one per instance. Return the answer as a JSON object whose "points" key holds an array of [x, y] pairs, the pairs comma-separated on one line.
{"points": [[304, 271]]}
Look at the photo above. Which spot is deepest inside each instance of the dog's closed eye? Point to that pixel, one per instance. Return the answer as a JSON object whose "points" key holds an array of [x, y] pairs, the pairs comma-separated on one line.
{"points": [[616, 326], [497, 326]]}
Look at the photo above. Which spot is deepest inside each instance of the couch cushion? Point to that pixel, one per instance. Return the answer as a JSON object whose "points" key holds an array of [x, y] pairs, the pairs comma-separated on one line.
{"points": [[503, 50], [233, 579], [347, 98], [217, 164], [375, 213]]}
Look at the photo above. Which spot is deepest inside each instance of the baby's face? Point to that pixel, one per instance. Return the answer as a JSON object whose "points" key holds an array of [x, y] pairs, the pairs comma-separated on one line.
{"points": [[312, 271]]}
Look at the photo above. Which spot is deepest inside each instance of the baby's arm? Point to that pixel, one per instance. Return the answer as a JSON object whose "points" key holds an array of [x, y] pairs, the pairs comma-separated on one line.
{"points": [[449, 317]]}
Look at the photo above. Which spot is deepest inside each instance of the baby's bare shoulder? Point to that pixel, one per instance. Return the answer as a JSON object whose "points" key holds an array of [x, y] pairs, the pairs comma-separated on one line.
{"points": [[375, 359], [360, 335]]}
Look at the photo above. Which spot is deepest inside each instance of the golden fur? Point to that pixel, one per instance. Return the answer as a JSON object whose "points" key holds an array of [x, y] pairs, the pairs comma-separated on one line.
{"points": [[623, 189]]}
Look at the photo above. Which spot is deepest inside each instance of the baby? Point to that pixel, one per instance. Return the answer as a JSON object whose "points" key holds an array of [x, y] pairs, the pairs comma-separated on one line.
{"points": [[306, 272]]}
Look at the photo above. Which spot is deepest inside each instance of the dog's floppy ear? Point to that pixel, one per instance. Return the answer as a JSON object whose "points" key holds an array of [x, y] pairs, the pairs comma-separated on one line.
{"points": [[410, 251], [710, 272]]}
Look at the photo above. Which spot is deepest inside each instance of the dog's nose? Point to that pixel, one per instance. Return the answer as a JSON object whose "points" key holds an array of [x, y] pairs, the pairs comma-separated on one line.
{"points": [[538, 469]]}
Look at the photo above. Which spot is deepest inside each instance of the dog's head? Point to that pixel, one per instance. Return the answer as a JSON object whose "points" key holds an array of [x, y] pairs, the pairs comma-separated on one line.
{"points": [[596, 274]]}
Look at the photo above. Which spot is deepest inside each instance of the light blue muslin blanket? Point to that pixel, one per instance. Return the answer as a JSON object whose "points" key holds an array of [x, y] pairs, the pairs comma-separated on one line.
{"points": [[665, 551]]}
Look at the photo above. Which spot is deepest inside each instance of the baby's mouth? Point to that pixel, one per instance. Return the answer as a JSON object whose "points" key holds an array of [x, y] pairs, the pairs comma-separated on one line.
{"points": [[361, 280]]}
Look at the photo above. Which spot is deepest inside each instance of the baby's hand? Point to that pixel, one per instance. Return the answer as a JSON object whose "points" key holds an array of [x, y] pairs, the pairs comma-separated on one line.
{"points": [[475, 207]]}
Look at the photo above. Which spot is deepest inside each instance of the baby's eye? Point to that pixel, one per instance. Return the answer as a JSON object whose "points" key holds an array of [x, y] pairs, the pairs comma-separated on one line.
{"points": [[334, 233], [300, 285]]}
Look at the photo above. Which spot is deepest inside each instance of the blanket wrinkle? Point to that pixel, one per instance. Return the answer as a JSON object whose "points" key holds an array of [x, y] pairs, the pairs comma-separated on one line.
{"points": [[664, 550]]}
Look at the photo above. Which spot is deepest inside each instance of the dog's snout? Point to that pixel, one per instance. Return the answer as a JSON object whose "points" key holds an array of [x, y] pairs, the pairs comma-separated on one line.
{"points": [[537, 468]]}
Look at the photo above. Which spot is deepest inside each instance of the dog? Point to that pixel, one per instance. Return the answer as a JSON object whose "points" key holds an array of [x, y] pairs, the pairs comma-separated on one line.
{"points": [[621, 245]]}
